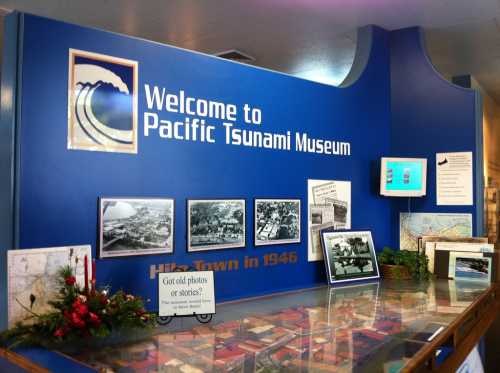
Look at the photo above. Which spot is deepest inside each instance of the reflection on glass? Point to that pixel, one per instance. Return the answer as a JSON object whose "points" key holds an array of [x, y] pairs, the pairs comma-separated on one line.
{"points": [[374, 327]]}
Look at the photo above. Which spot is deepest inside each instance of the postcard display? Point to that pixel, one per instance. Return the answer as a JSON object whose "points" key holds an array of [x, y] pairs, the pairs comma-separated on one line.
{"points": [[216, 156]]}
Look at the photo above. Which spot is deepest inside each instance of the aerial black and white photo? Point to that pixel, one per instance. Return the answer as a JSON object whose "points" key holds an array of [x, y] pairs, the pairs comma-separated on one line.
{"points": [[349, 255], [216, 224], [136, 226], [277, 221]]}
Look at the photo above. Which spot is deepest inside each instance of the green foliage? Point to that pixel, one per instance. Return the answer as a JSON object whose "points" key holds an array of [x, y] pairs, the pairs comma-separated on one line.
{"points": [[415, 262], [78, 315]]}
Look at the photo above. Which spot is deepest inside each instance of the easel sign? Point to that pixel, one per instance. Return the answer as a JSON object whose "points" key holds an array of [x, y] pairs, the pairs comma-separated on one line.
{"points": [[186, 293]]}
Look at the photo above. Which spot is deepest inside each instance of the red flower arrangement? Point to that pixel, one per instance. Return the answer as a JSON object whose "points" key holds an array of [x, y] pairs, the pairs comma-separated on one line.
{"points": [[80, 313]]}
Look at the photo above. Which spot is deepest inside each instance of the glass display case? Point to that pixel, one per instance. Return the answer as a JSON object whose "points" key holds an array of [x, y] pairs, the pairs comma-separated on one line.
{"points": [[372, 327]]}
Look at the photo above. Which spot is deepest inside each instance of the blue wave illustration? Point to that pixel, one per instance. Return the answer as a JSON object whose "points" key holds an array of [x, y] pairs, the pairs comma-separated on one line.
{"points": [[104, 113]]}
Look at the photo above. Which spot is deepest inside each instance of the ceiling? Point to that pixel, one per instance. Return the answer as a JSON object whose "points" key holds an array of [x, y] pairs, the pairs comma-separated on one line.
{"points": [[312, 39]]}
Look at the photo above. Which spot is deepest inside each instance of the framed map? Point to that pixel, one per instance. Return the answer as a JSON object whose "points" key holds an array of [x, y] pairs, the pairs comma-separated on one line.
{"points": [[32, 277], [415, 225]]}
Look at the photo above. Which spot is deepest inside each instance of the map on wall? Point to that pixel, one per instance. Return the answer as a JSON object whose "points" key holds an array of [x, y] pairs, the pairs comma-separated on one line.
{"points": [[32, 277], [415, 225]]}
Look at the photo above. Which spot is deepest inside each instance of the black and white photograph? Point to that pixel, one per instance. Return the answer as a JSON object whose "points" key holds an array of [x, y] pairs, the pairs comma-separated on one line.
{"points": [[277, 221], [349, 256], [215, 224], [339, 210], [321, 214], [135, 226]]}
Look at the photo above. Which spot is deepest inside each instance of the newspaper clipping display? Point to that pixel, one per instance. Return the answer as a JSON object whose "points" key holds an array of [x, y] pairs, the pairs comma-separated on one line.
{"points": [[329, 206]]}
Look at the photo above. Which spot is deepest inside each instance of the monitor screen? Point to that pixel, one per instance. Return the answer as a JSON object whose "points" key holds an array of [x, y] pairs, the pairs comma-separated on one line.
{"points": [[403, 177]]}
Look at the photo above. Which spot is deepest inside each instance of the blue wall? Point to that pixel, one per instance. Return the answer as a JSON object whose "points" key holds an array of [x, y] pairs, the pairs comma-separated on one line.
{"points": [[59, 188], [8, 152], [429, 115], [398, 106]]}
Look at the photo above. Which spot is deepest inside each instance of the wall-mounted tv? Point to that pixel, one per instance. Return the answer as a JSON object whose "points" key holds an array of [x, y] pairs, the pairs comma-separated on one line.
{"points": [[403, 177]]}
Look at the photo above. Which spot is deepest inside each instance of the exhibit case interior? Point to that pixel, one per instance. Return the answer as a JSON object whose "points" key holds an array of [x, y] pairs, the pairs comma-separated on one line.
{"points": [[386, 326]]}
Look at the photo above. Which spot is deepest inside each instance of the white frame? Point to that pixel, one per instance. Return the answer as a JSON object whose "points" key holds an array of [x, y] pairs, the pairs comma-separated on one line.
{"points": [[192, 249], [124, 253], [258, 242], [117, 148], [24, 254], [452, 262], [402, 193], [368, 234]]}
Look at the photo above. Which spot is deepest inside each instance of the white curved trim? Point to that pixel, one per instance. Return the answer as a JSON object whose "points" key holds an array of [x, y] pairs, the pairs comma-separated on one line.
{"points": [[425, 54], [364, 44]]}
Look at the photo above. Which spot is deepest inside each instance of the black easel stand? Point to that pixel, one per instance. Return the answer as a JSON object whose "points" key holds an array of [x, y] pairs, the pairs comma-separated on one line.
{"points": [[201, 318]]}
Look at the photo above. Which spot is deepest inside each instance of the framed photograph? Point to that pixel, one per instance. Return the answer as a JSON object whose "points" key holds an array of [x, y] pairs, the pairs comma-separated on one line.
{"points": [[469, 266], [277, 221], [349, 256], [135, 226], [215, 224]]}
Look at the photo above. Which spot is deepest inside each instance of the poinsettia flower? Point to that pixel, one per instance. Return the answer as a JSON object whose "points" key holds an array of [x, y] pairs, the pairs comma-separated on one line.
{"points": [[77, 320], [94, 319], [59, 333], [80, 308], [70, 280]]}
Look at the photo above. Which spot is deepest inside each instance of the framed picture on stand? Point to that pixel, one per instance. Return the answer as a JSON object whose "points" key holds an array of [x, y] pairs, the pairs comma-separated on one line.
{"points": [[349, 256]]}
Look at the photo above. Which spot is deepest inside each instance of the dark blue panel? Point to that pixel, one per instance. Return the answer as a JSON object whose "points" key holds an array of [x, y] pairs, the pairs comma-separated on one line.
{"points": [[59, 188], [429, 115], [7, 152], [5, 366]]}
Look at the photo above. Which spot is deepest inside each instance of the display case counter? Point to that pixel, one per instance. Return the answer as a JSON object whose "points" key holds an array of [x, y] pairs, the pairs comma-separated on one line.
{"points": [[385, 326]]}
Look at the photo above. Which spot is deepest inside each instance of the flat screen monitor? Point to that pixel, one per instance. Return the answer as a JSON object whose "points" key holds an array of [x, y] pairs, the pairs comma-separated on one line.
{"points": [[403, 177]]}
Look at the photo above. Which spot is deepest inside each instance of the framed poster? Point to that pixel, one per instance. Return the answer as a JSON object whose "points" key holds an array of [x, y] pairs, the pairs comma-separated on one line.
{"points": [[277, 221], [135, 226], [215, 224], [33, 275], [102, 102], [349, 256], [417, 224]]}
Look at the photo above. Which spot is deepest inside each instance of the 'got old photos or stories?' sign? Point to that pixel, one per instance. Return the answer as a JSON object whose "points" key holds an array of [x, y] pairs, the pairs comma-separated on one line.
{"points": [[186, 293]]}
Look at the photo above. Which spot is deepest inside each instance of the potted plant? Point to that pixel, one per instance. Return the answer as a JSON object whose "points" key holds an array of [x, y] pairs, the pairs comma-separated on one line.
{"points": [[403, 264]]}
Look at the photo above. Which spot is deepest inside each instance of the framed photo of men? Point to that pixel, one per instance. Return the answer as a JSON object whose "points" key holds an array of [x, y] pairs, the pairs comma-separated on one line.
{"points": [[277, 221]]}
